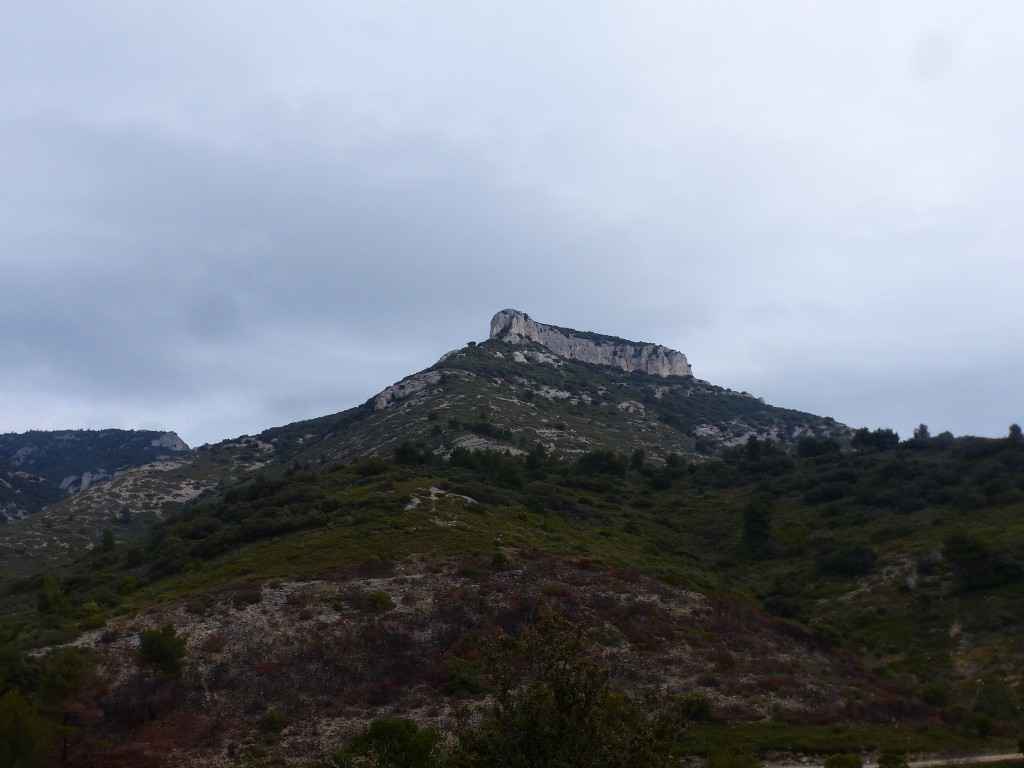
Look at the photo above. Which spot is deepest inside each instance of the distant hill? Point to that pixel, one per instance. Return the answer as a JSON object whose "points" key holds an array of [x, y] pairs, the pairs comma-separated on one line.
{"points": [[39, 468]]}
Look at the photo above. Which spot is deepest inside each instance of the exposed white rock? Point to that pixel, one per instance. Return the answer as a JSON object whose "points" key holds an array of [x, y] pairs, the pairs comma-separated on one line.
{"points": [[404, 389], [632, 406], [475, 443], [553, 394], [78, 483], [450, 355], [515, 327], [170, 441]]}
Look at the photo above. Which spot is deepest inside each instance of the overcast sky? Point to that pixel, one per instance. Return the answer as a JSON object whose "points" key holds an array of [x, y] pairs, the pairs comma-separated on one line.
{"points": [[218, 217]]}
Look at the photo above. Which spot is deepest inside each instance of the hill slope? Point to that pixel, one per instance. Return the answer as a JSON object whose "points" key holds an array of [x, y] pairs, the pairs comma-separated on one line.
{"points": [[40, 468], [811, 593], [790, 592]]}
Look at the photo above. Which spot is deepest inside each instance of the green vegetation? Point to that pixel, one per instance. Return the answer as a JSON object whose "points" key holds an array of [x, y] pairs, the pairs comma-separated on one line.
{"points": [[24, 735], [554, 706], [845, 760], [391, 742], [271, 724], [163, 650], [902, 562]]}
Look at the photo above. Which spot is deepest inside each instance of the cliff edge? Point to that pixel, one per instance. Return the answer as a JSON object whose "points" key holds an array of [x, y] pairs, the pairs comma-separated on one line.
{"points": [[515, 327]]}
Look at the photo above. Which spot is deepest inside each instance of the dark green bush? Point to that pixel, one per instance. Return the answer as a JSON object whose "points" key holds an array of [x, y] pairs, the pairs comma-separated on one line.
{"points": [[391, 742], [163, 650], [843, 761]]}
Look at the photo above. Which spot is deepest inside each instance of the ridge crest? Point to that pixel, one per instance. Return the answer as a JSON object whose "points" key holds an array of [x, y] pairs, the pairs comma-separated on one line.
{"points": [[515, 327]]}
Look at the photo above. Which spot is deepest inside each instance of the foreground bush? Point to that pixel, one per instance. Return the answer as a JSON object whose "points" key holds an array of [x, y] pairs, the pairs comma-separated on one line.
{"points": [[554, 707]]}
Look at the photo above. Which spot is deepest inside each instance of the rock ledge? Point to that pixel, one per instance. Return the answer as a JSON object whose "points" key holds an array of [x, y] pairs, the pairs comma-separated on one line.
{"points": [[515, 327]]}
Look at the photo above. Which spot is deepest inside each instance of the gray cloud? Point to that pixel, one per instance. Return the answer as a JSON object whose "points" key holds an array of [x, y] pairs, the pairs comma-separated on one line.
{"points": [[219, 219]]}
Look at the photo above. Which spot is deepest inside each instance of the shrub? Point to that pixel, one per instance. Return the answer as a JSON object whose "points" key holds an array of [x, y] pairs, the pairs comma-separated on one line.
{"points": [[892, 760], [391, 742], [271, 724], [694, 707], [24, 735], [463, 676], [843, 761], [50, 599], [849, 561], [971, 559], [553, 706], [983, 725], [936, 694], [377, 601], [163, 650], [732, 758]]}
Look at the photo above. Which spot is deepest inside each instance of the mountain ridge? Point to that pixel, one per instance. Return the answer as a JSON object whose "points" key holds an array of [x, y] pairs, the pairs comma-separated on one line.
{"points": [[40, 467]]}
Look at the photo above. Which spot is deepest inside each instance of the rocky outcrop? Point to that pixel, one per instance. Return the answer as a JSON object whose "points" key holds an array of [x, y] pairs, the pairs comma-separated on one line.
{"points": [[170, 441], [404, 389], [515, 327]]}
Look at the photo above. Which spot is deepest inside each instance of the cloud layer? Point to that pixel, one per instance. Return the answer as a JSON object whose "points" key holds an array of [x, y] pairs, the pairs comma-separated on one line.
{"points": [[217, 219]]}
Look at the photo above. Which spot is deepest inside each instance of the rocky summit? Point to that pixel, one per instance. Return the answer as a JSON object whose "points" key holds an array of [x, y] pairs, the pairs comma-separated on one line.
{"points": [[513, 326]]}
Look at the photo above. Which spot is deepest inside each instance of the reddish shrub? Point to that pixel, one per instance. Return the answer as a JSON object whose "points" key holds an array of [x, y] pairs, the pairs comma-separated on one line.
{"points": [[772, 683]]}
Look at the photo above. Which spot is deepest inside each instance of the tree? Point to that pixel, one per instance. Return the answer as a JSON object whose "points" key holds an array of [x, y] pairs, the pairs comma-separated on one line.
{"points": [[24, 734], [163, 650], [806, 447], [921, 433], [880, 440], [50, 599], [554, 707], [757, 523], [109, 541], [602, 462], [391, 742], [971, 559], [636, 460], [1014, 435], [68, 690]]}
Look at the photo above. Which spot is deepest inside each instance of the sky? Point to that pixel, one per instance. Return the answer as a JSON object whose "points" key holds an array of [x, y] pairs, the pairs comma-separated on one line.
{"points": [[220, 217]]}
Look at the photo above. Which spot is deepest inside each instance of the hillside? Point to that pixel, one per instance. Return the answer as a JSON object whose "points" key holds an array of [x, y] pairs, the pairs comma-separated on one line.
{"points": [[40, 468], [508, 395], [806, 619], [781, 584]]}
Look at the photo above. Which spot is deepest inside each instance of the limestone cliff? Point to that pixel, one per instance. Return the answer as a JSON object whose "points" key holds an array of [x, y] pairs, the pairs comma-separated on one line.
{"points": [[513, 326]]}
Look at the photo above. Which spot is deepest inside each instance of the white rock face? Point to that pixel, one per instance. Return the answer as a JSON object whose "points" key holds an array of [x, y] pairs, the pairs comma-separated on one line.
{"points": [[405, 388], [78, 483], [170, 441], [513, 326]]}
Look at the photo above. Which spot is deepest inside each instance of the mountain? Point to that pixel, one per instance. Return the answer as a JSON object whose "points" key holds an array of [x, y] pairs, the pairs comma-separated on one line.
{"points": [[40, 468], [570, 392], [785, 584], [528, 385]]}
